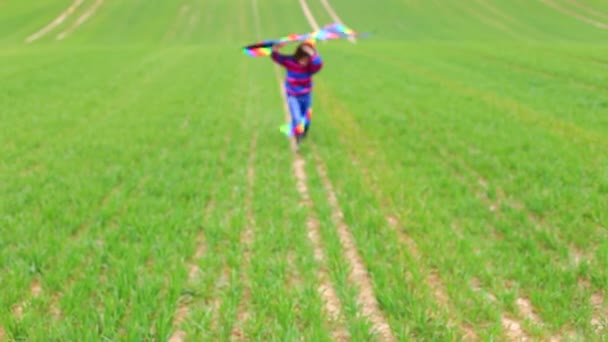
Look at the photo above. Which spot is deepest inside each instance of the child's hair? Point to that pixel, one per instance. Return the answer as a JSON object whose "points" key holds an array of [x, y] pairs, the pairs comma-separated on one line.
{"points": [[304, 50]]}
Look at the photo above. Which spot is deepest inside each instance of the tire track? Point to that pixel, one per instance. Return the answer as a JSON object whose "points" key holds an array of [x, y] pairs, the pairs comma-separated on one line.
{"points": [[332, 305], [75, 238], [523, 304], [599, 319], [433, 280], [182, 311], [35, 291], [79, 235], [588, 9], [223, 281], [543, 73], [511, 327], [481, 189], [81, 20], [358, 274], [58, 21], [506, 18], [582, 18], [183, 12], [183, 307], [311, 19], [247, 235], [247, 242], [599, 314], [489, 21], [512, 108], [335, 17], [217, 302]]}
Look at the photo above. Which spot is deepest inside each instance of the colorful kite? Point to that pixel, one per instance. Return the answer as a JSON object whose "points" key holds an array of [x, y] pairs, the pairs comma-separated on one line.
{"points": [[329, 32]]}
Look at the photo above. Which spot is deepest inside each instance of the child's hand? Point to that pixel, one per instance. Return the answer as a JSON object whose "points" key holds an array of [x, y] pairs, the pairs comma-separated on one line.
{"points": [[276, 47]]}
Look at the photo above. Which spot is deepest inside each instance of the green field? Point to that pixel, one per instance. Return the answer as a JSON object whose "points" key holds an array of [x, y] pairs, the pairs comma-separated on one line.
{"points": [[454, 185]]}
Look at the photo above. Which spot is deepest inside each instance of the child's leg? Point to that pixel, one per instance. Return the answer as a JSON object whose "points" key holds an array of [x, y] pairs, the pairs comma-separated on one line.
{"points": [[294, 109], [306, 110]]}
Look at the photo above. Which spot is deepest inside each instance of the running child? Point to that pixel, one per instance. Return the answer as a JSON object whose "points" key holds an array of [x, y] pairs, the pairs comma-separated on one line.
{"points": [[300, 66]]}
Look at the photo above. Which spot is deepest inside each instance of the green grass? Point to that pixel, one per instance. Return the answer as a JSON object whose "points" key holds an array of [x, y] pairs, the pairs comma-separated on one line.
{"points": [[481, 127]]}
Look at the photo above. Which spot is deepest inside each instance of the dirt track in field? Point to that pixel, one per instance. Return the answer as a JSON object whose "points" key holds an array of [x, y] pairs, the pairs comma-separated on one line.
{"points": [[81, 20], [183, 307], [246, 241], [578, 16], [58, 21]]}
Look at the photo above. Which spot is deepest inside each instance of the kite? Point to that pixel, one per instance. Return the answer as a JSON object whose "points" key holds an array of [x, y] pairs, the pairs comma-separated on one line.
{"points": [[329, 32]]}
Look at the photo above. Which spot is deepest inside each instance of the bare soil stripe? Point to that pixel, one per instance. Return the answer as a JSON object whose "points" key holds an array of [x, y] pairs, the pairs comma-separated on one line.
{"points": [[294, 278], [335, 16], [193, 22], [311, 19], [358, 274], [433, 280], [578, 16], [480, 189], [183, 11], [332, 305], [489, 21], [524, 305], [527, 311], [599, 320], [588, 9], [247, 235], [182, 311], [60, 19], [246, 242], [217, 302], [81, 20], [542, 73], [326, 289], [256, 18], [55, 309], [511, 327], [512, 22], [35, 291], [2, 334]]}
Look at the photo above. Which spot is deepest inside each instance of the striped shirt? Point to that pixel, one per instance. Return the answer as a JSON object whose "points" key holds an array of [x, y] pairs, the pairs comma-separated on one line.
{"points": [[299, 78]]}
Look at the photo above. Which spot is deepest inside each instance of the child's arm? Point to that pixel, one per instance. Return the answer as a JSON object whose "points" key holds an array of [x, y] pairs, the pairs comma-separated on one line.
{"points": [[276, 56], [316, 64]]}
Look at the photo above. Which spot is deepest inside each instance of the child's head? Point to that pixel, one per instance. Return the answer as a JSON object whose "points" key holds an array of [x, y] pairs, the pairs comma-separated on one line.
{"points": [[304, 53]]}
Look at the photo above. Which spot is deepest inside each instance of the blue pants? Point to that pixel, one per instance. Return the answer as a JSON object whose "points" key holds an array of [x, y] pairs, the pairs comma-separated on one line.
{"points": [[299, 107]]}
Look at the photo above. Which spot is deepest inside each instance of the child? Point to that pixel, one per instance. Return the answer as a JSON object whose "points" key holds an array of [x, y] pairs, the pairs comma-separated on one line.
{"points": [[301, 66]]}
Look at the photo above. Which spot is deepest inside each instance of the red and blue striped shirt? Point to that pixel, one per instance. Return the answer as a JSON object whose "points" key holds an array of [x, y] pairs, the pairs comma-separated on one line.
{"points": [[299, 78]]}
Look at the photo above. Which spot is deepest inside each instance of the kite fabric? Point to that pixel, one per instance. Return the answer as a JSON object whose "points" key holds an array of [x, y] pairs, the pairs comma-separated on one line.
{"points": [[329, 32]]}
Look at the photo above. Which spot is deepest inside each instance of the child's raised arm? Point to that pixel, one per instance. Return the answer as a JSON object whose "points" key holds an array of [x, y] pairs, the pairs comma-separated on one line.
{"points": [[276, 55], [316, 64]]}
